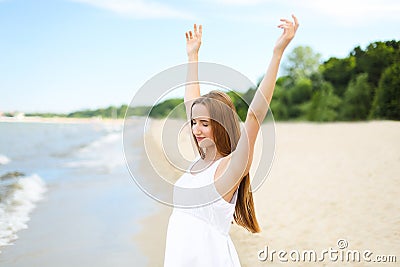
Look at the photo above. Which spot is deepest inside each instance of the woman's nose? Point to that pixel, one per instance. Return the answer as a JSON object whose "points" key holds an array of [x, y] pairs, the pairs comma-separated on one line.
{"points": [[196, 129]]}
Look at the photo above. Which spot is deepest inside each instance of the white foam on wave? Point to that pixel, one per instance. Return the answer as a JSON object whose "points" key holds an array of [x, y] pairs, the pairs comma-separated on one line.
{"points": [[15, 209], [108, 139], [104, 153], [4, 160]]}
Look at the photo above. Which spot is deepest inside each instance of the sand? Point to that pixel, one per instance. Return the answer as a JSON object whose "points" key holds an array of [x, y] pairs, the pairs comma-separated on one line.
{"points": [[328, 182]]}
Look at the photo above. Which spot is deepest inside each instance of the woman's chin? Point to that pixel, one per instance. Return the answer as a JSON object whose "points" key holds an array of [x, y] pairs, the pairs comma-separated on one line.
{"points": [[206, 143]]}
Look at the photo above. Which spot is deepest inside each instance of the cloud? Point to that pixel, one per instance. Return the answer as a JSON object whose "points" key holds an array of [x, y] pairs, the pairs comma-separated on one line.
{"points": [[342, 12], [240, 2], [350, 12], [139, 9]]}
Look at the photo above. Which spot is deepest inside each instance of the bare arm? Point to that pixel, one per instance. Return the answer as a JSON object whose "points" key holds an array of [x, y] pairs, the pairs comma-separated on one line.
{"points": [[260, 103], [235, 166], [192, 89]]}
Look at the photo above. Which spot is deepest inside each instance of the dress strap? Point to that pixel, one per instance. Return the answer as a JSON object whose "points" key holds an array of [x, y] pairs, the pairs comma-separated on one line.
{"points": [[193, 162], [214, 167], [211, 167]]}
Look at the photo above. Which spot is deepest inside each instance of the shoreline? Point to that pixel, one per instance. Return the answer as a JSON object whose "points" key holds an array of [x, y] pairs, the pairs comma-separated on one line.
{"points": [[59, 120], [325, 194], [145, 237]]}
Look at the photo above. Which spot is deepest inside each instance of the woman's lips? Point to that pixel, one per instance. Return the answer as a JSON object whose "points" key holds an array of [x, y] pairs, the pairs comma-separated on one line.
{"points": [[199, 138]]}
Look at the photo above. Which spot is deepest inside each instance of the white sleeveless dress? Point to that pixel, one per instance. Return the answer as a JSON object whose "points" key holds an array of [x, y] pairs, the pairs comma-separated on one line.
{"points": [[200, 236]]}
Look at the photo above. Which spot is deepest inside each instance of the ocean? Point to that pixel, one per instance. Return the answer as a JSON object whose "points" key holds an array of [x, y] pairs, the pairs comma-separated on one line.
{"points": [[66, 196]]}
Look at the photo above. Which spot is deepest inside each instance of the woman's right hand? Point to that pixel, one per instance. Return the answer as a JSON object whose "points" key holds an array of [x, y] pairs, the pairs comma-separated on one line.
{"points": [[193, 40], [289, 31]]}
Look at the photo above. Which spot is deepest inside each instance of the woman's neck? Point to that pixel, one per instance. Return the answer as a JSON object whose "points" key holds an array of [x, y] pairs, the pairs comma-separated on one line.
{"points": [[211, 154]]}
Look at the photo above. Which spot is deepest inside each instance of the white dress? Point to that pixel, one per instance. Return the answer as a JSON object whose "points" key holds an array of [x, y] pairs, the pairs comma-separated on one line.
{"points": [[200, 236]]}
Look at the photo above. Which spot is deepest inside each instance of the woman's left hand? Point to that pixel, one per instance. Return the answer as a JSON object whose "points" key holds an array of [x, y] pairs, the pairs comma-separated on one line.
{"points": [[289, 31], [193, 40]]}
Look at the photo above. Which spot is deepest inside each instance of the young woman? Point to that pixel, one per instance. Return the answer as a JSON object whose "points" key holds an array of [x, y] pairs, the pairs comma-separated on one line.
{"points": [[199, 236]]}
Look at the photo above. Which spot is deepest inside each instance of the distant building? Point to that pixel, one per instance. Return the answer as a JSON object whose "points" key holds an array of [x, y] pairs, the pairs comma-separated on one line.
{"points": [[19, 115], [15, 114]]}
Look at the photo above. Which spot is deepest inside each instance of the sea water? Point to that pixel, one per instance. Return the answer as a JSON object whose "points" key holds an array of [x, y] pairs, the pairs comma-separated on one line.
{"points": [[37, 159]]}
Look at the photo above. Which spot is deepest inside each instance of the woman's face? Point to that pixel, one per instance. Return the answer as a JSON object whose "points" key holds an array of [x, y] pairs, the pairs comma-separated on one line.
{"points": [[201, 126]]}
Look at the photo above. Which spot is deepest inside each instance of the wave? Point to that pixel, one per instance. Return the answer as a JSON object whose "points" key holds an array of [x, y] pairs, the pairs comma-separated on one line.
{"points": [[108, 139], [16, 203], [103, 154], [4, 160]]}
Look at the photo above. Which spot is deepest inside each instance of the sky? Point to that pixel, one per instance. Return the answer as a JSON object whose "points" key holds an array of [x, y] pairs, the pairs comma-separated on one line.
{"points": [[67, 55]]}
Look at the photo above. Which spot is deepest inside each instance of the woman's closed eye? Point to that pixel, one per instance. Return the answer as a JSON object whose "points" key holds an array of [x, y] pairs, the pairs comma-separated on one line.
{"points": [[205, 124]]}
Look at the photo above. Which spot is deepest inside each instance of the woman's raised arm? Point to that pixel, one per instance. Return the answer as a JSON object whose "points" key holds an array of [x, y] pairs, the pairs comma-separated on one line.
{"points": [[192, 89], [238, 164], [260, 103]]}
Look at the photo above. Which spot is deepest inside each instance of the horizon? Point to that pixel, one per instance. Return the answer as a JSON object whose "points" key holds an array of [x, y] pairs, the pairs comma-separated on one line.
{"points": [[63, 56]]}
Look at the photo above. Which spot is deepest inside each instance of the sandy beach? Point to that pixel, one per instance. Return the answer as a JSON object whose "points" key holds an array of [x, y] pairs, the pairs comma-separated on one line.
{"points": [[328, 182]]}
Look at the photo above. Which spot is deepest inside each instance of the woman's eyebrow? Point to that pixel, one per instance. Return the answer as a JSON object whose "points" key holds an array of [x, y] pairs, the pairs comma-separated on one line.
{"points": [[201, 119]]}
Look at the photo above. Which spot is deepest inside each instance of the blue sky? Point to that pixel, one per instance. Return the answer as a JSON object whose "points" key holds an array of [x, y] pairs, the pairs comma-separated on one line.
{"points": [[66, 55]]}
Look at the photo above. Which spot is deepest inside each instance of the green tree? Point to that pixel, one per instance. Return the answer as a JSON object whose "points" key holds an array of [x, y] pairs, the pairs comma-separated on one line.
{"points": [[138, 111], [301, 62], [173, 108], [357, 99], [121, 111], [298, 94], [280, 103], [249, 95], [301, 91], [387, 99], [239, 103], [296, 86], [338, 72], [376, 58], [323, 105]]}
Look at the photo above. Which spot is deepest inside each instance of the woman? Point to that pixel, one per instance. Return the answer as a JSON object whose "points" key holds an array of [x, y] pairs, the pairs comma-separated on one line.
{"points": [[199, 236]]}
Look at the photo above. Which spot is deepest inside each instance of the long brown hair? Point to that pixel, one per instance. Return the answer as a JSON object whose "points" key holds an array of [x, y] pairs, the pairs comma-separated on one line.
{"points": [[226, 137]]}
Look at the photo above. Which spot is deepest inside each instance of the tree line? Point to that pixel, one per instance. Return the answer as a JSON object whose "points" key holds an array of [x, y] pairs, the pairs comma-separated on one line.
{"points": [[364, 85]]}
